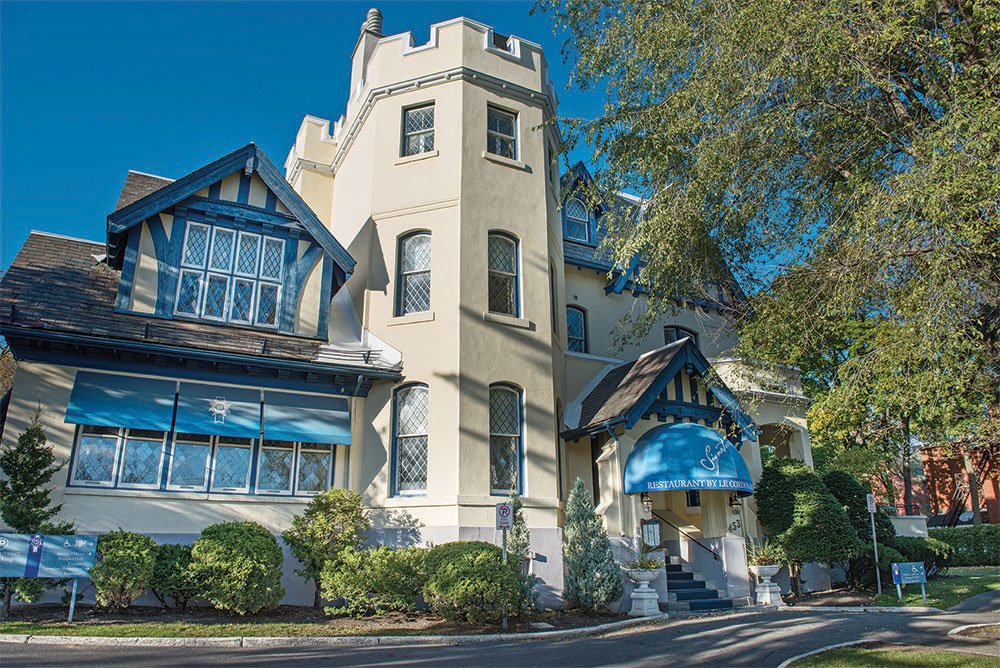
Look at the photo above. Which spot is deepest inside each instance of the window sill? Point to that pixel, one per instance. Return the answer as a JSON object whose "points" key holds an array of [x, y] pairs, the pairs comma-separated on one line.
{"points": [[186, 496], [407, 159], [509, 320], [409, 319], [507, 162]]}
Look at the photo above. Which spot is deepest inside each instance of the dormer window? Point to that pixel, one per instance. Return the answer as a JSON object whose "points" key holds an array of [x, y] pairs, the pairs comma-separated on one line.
{"points": [[230, 276], [577, 221]]}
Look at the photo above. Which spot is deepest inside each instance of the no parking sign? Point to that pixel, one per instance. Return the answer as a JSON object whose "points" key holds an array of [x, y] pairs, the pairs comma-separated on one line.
{"points": [[505, 516]]}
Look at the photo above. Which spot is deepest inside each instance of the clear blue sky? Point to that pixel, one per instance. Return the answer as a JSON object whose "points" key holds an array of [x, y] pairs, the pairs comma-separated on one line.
{"points": [[91, 90]]}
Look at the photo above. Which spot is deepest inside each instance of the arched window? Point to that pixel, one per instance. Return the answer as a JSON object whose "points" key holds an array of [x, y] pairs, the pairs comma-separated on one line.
{"points": [[673, 333], [409, 464], [506, 440], [414, 274], [577, 220], [504, 290], [576, 329]]}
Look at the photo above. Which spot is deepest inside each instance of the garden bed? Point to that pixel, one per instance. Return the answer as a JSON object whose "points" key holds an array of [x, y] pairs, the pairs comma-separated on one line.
{"points": [[285, 621]]}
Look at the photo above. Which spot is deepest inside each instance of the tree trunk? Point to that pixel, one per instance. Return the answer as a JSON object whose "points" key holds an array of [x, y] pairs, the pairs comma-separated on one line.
{"points": [[317, 600], [8, 585], [973, 478], [907, 474]]}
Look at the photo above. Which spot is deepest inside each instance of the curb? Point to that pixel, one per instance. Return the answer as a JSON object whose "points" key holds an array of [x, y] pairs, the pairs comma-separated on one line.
{"points": [[328, 641], [957, 631], [859, 608], [798, 657]]}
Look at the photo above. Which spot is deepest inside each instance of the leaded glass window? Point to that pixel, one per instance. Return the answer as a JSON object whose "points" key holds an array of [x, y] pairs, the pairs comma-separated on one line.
{"points": [[96, 454], [272, 258], [418, 129], [414, 282], [242, 300], [189, 292], [267, 304], [501, 133], [216, 291], [505, 440], [231, 464], [195, 245], [576, 329], [411, 440], [503, 279], [142, 457], [577, 221], [315, 468], [274, 469], [189, 462], [247, 253], [223, 241]]}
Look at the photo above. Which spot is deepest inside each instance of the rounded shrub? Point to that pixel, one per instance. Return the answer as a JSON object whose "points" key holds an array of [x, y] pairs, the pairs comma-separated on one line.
{"points": [[449, 553], [374, 581], [124, 567], [240, 566], [173, 578], [476, 587]]}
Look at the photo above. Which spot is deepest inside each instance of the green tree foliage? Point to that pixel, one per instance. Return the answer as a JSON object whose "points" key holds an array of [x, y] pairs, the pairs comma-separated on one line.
{"points": [[332, 522], [25, 501], [838, 159], [124, 568], [240, 566], [519, 537], [173, 578], [374, 581], [853, 497], [592, 577]]}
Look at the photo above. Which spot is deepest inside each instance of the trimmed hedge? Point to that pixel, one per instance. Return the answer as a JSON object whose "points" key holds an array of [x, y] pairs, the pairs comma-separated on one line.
{"points": [[935, 554], [173, 577], [476, 587], [240, 564], [374, 581], [974, 546], [449, 553], [124, 567]]}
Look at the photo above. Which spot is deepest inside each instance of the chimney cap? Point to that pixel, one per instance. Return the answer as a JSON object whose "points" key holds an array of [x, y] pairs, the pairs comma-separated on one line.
{"points": [[373, 23]]}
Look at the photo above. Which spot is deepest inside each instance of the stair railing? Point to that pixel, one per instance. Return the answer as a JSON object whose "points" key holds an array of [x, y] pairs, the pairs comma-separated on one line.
{"points": [[715, 555]]}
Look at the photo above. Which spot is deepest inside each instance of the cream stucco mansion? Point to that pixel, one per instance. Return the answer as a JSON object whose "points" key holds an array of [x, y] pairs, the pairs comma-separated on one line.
{"points": [[415, 309]]}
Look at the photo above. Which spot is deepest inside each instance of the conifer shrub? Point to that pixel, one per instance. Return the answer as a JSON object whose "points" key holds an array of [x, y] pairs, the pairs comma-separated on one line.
{"points": [[519, 537], [240, 566], [592, 577], [471, 584], [124, 568], [374, 581], [173, 577], [853, 497], [448, 553]]}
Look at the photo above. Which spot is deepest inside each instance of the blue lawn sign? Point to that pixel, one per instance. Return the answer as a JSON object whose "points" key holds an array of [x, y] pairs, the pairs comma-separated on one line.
{"points": [[909, 572], [43, 556]]}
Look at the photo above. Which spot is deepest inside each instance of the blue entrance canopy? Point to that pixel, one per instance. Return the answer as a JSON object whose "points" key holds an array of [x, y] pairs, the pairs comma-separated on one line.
{"points": [[218, 410], [112, 400], [685, 455], [306, 417]]}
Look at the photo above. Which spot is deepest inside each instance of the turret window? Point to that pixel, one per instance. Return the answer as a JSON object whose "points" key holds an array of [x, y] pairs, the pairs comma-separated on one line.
{"points": [[577, 221], [501, 133], [414, 274], [505, 440], [418, 129], [503, 275], [576, 329], [410, 442]]}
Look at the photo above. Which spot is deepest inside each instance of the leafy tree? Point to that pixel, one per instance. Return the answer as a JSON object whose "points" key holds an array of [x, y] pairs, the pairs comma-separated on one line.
{"points": [[332, 522], [853, 498], [519, 537], [593, 579], [25, 502], [839, 161]]}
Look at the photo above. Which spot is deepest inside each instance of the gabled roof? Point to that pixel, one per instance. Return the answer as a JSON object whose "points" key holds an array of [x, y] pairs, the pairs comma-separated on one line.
{"points": [[249, 158], [627, 391], [138, 185]]}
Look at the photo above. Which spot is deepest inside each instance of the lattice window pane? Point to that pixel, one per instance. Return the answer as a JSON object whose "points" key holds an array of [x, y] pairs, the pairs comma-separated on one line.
{"points": [[501, 146], [274, 473], [502, 295], [232, 467], [222, 249], [576, 210], [189, 293], [504, 463], [422, 142], [242, 302], [412, 410], [501, 122], [577, 229], [271, 259], [196, 245], [141, 462], [505, 412], [189, 465], [247, 254], [502, 255], [416, 253], [416, 296], [95, 459], [314, 471], [215, 296], [500, 133], [576, 330], [411, 464], [267, 304], [419, 119]]}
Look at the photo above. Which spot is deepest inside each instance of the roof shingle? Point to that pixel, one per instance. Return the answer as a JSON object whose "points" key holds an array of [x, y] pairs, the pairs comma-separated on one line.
{"points": [[138, 185]]}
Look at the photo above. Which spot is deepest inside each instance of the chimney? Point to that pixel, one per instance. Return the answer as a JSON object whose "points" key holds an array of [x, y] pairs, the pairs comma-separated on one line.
{"points": [[373, 23]]}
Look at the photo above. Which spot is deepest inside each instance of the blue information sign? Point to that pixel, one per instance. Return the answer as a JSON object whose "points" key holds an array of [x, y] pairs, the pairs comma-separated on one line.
{"points": [[41, 556], [908, 572]]}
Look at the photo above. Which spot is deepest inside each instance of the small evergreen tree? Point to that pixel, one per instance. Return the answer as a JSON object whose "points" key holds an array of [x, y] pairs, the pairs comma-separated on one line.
{"points": [[519, 537], [333, 521], [25, 504], [593, 579]]}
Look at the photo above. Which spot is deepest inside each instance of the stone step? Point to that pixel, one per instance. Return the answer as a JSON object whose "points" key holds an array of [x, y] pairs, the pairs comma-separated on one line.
{"points": [[673, 568], [675, 585], [673, 576], [695, 594]]}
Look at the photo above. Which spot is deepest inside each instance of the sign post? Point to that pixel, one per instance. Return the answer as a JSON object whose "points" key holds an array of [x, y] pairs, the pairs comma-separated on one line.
{"points": [[871, 512], [45, 556], [505, 521]]}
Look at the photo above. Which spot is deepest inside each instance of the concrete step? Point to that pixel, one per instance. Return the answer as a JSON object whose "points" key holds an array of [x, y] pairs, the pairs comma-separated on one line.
{"points": [[676, 577], [696, 594], [676, 585], [714, 604]]}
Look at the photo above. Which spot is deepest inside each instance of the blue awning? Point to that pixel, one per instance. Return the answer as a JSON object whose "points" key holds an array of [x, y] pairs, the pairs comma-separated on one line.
{"points": [[685, 455], [306, 417], [112, 400], [218, 410]]}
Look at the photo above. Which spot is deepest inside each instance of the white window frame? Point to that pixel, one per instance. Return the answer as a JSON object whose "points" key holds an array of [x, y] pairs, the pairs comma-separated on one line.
{"points": [[216, 444], [293, 469], [330, 451], [584, 221], [120, 459], [516, 275], [404, 149], [402, 273], [236, 256], [516, 152], [586, 335], [208, 464], [253, 299], [200, 274], [114, 464], [277, 304], [208, 244], [281, 259], [225, 299], [216, 229]]}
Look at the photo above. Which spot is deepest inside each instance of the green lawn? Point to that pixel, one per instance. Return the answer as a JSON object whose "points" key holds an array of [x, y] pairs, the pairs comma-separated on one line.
{"points": [[196, 630], [945, 591], [857, 657]]}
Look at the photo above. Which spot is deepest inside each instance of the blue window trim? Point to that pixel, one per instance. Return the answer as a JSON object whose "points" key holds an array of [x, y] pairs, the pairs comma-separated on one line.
{"points": [[517, 267], [394, 453], [401, 240], [586, 329], [589, 222], [519, 391]]}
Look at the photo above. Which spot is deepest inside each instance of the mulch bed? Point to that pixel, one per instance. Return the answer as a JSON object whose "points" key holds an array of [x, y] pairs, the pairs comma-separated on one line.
{"points": [[846, 597], [395, 623]]}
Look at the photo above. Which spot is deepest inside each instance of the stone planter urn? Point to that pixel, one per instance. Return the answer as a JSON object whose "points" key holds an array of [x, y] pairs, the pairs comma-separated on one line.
{"points": [[645, 601], [768, 593]]}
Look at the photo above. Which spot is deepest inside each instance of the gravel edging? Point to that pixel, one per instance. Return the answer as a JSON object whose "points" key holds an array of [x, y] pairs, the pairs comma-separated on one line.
{"points": [[327, 641]]}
